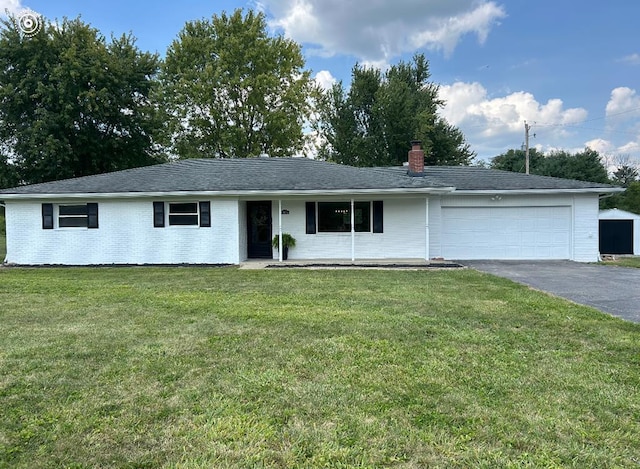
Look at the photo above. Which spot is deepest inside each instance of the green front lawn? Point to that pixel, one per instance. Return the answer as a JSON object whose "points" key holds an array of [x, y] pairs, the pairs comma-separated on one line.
{"points": [[625, 262], [219, 367]]}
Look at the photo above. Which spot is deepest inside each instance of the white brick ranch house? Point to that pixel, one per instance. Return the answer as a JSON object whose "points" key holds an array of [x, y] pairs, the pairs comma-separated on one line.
{"points": [[225, 211]]}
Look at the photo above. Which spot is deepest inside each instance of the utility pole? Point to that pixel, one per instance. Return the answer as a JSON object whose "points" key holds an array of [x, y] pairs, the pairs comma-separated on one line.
{"points": [[527, 127]]}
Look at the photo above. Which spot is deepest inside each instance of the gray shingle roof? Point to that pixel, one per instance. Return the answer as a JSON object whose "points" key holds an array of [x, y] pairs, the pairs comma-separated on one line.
{"points": [[291, 174], [474, 178]]}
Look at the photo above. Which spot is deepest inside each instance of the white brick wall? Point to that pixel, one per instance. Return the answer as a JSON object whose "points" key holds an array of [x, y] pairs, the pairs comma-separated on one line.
{"points": [[125, 236]]}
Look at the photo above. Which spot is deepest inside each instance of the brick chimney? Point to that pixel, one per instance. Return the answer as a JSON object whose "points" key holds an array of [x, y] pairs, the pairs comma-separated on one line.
{"points": [[416, 159]]}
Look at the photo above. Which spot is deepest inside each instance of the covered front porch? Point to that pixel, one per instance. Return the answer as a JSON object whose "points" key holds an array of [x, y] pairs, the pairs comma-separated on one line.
{"points": [[327, 229]]}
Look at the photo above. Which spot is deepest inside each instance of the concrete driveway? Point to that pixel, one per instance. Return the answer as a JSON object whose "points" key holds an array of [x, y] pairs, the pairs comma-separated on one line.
{"points": [[614, 290]]}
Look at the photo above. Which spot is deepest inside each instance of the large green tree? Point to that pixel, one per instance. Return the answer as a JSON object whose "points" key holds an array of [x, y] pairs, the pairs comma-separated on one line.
{"points": [[514, 160], [72, 104], [626, 175], [8, 170], [373, 122], [233, 90], [584, 166]]}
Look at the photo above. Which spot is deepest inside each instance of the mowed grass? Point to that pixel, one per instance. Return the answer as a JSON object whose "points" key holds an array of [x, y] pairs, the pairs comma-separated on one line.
{"points": [[227, 368], [625, 262]]}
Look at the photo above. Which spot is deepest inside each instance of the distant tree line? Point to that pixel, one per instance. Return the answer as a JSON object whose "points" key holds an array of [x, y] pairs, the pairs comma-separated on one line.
{"points": [[586, 165]]}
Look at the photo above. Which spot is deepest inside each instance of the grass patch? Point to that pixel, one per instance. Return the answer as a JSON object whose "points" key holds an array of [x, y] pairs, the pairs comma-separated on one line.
{"points": [[201, 367], [625, 262]]}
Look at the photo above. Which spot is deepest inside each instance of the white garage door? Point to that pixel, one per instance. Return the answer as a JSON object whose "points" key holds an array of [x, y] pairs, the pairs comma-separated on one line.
{"points": [[506, 232]]}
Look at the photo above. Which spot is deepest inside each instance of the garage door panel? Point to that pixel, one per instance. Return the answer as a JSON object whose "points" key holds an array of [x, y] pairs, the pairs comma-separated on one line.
{"points": [[506, 232]]}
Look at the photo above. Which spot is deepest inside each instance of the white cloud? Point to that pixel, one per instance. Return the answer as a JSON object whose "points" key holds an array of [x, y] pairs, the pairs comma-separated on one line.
{"points": [[601, 145], [12, 6], [623, 101], [494, 125], [448, 31], [17, 10], [632, 59], [324, 79], [614, 156], [630, 148], [468, 103], [623, 111], [378, 30], [610, 150]]}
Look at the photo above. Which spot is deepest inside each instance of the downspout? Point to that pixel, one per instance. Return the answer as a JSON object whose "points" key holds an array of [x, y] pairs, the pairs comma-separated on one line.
{"points": [[3, 204], [280, 246], [353, 232], [426, 229]]}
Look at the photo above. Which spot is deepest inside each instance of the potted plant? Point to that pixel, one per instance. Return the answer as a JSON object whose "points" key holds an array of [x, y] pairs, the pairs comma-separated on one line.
{"points": [[288, 241]]}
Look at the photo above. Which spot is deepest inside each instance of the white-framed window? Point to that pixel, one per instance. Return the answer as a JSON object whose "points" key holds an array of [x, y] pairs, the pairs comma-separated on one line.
{"points": [[73, 216], [182, 214], [335, 217], [70, 215]]}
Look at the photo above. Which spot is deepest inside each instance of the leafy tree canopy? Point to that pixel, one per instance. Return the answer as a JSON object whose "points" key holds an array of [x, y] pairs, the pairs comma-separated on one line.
{"points": [[583, 166], [628, 200], [8, 172], [72, 104], [233, 90], [373, 123], [626, 175]]}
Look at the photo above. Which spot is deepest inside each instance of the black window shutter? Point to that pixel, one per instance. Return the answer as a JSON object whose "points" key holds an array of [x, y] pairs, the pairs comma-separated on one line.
{"points": [[377, 216], [92, 215], [311, 217], [205, 214], [158, 214], [47, 216]]}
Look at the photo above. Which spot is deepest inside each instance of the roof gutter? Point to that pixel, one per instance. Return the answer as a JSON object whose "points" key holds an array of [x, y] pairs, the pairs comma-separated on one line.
{"points": [[302, 193], [280, 193], [606, 196], [586, 190]]}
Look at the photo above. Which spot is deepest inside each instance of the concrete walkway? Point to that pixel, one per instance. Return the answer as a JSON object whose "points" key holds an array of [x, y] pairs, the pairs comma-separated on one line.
{"points": [[348, 264], [614, 290]]}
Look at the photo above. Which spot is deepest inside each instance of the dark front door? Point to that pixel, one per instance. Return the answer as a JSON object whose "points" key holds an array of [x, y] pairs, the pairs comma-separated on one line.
{"points": [[616, 236], [259, 229]]}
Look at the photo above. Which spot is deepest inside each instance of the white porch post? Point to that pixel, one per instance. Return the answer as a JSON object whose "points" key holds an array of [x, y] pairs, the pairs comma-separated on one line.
{"points": [[280, 247], [426, 228], [353, 232]]}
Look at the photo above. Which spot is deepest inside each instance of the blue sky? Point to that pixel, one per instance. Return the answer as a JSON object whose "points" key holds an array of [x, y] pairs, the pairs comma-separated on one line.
{"points": [[570, 69]]}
